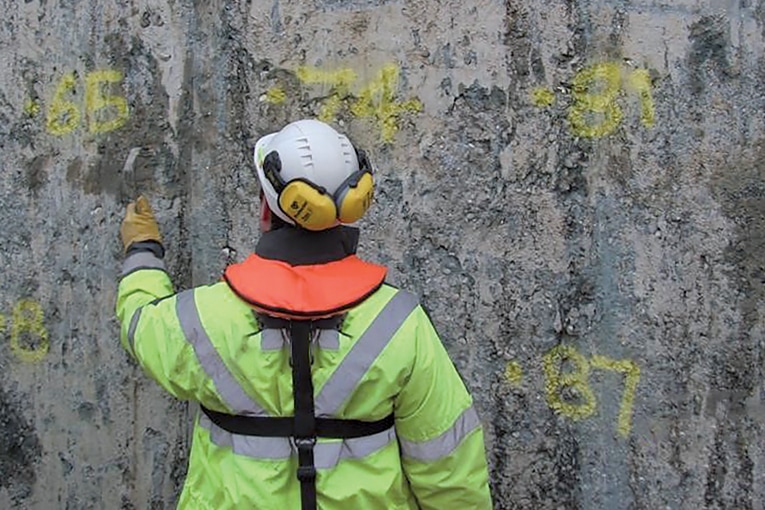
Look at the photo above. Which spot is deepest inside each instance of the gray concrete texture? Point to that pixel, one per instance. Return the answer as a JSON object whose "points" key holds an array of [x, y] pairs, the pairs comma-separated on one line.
{"points": [[573, 188]]}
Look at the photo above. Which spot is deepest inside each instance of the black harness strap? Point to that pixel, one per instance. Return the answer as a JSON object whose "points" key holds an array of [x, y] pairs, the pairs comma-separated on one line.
{"points": [[305, 419], [333, 322], [284, 427], [304, 427]]}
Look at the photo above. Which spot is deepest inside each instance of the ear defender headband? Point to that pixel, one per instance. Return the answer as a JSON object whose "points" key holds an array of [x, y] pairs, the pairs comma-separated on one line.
{"points": [[311, 206]]}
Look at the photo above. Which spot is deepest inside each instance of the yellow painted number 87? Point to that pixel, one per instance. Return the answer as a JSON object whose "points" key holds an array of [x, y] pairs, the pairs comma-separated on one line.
{"points": [[568, 390]]}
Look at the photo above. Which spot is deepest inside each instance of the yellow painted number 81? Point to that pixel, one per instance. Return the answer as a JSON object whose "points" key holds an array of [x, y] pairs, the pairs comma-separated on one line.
{"points": [[595, 112]]}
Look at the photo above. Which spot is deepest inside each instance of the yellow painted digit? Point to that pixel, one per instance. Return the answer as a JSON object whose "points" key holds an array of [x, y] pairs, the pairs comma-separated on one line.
{"points": [[542, 97], [596, 113], [330, 107], [276, 95], [631, 378], [378, 99], [639, 81], [97, 99], [28, 321], [63, 115], [577, 379], [31, 107], [339, 81], [513, 373]]}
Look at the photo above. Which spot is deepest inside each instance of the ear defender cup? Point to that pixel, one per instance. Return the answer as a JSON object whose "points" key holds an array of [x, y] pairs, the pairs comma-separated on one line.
{"points": [[354, 196], [310, 206]]}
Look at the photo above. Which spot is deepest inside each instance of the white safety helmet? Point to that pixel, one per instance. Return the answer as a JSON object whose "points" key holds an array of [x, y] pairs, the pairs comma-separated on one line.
{"points": [[312, 176]]}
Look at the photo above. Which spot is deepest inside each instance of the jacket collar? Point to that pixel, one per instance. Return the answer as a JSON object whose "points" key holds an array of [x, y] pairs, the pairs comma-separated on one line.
{"points": [[296, 274], [299, 247]]}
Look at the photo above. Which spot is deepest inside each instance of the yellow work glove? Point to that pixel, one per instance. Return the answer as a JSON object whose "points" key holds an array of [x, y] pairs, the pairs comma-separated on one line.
{"points": [[139, 223]]}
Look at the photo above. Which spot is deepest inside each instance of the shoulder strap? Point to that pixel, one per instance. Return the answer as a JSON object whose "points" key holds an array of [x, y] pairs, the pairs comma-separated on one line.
{"points": [[305, 419]]}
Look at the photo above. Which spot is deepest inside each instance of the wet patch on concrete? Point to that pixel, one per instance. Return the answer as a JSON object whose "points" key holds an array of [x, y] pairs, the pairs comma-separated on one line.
{"points": [[20, 447], [709, 42], [730, 479], [36, 174], [739, 188]]}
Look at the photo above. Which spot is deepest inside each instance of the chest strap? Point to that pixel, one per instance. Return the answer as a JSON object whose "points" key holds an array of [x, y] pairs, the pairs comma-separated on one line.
{"points": [[284, 426], [304, 427]]}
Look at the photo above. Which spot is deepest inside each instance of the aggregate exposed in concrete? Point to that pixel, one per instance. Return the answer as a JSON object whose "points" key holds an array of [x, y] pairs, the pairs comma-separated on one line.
{"points": [[636, 245]]}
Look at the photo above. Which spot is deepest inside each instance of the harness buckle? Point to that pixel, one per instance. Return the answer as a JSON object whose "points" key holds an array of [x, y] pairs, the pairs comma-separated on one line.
{"points": [[305, 443], [306, 473]]}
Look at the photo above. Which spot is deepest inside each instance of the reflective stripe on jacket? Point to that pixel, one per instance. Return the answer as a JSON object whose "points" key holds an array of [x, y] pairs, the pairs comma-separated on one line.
{"points": [[207, 345]]}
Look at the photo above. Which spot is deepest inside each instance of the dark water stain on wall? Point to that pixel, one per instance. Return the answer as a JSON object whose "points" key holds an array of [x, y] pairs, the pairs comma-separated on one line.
{"points": [[36, 174], [709, 42], [739, 188], [730, 480], [20, 448], [517, 39]]}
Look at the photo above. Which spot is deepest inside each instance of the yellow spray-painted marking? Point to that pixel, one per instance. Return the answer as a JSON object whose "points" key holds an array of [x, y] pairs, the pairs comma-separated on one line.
{"points": [[32, 107], [28, 317], [565, 368], [105, 111], [639, 82], [63, 115], [378, 99], [276, 95], [339, 80], [595, 113], [631, 379], [98, 100], [576, 379], [513, 373], [542, 97]]}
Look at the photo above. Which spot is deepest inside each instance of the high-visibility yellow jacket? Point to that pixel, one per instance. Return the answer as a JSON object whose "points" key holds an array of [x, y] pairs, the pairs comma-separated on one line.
{"points": [[207, 345]]}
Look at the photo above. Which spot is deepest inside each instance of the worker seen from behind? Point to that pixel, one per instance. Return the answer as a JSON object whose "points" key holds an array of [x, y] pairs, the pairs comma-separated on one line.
{"points": [[320, 386]]}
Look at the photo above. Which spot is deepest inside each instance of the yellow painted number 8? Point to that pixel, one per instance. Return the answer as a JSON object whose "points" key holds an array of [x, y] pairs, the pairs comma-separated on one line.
{"points": [[556, 382], [28, 328], [595, 112]]}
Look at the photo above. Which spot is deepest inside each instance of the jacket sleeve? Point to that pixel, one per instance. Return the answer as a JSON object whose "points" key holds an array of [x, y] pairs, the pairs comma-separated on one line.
{"points": [[151, 332], [439, 431]]}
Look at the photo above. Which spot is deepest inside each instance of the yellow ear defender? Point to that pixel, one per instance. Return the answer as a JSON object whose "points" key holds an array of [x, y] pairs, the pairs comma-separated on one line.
{"points": [[311, 206]]}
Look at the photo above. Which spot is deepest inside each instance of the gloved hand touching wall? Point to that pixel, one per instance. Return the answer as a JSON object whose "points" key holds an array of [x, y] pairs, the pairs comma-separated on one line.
{"points": [[139, 224]]}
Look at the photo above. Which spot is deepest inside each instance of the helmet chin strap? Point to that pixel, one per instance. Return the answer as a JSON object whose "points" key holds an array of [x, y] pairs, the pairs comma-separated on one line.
{"points": [[266, 216], [268, 220]]}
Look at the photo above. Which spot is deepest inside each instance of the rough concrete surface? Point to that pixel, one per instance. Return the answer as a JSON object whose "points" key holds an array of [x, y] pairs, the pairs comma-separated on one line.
{"points": [[575, 189]]}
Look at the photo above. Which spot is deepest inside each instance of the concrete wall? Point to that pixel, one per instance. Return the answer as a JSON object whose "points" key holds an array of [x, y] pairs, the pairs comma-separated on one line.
{"points": [[574, 188]]}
